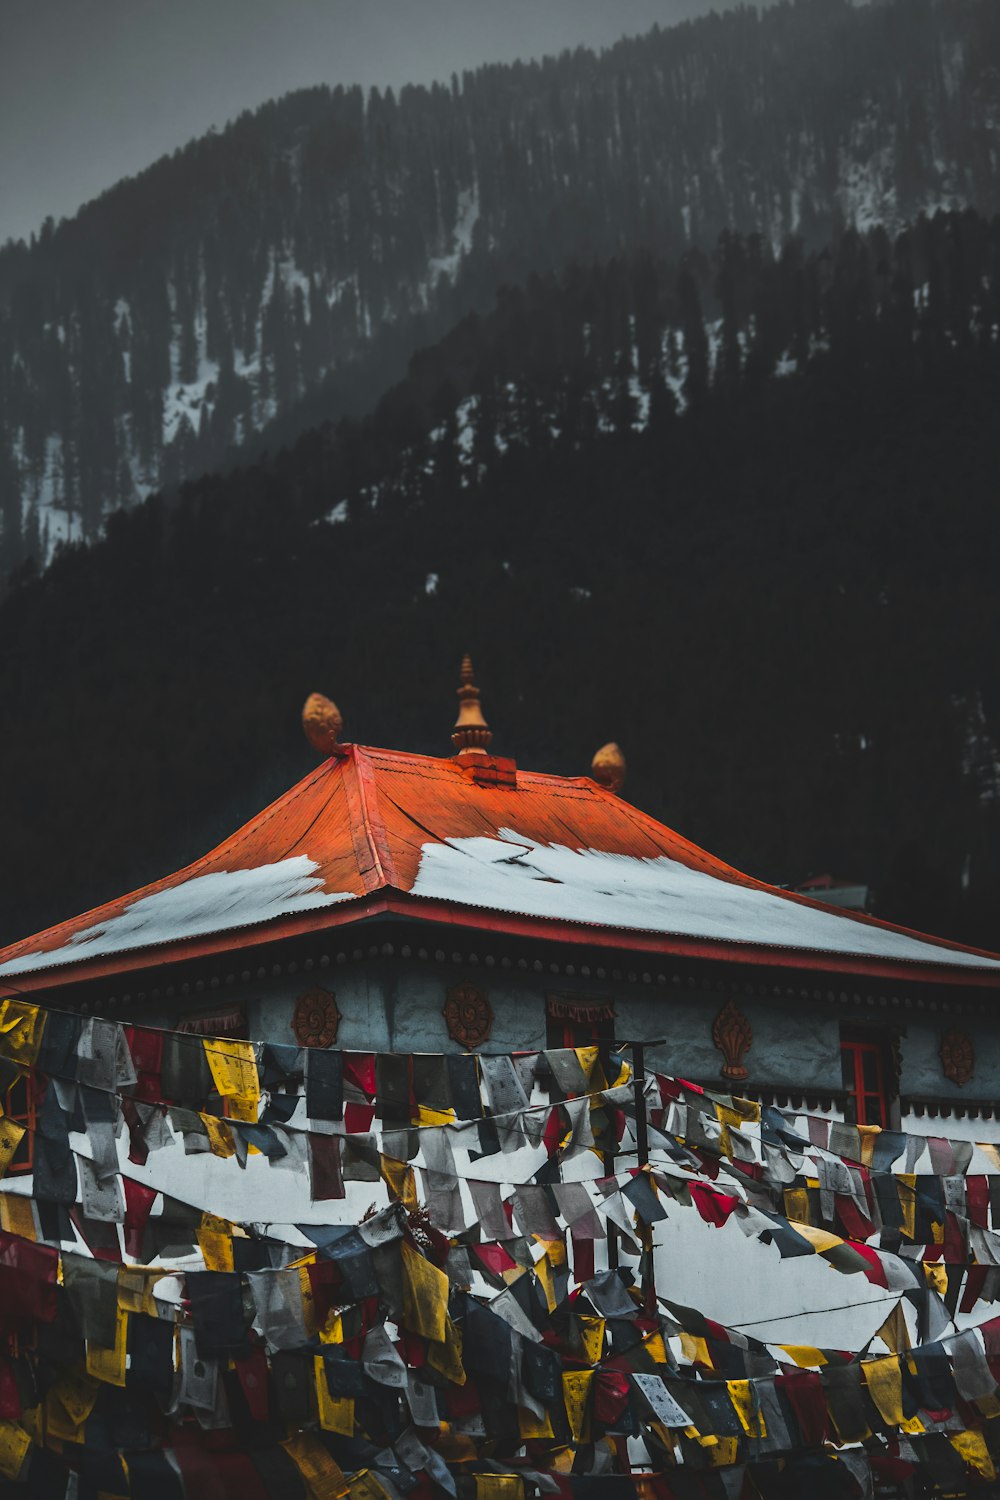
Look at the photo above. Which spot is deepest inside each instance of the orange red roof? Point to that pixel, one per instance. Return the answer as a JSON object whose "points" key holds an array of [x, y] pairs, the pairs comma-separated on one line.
{"points": [[373, 831]]}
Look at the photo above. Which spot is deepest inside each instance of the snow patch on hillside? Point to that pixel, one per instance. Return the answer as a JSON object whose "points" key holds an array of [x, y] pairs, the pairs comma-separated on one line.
{"points": [[461, 240]]}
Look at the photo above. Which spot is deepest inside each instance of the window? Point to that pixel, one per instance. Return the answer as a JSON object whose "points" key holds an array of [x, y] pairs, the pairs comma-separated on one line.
{"points": [[578, 1023], [864, 1073]]}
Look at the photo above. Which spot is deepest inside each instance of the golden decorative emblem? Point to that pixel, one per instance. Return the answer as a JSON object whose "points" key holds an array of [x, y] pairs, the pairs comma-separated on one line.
{"points": [[469, 1015], [608, 768], [732, 1034], [316, 1019], [958, 1057], [472, 734], [322, 722]]}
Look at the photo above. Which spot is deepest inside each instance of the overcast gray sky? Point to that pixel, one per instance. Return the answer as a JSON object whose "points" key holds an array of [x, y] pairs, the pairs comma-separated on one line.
{"points": [[95, 90]]}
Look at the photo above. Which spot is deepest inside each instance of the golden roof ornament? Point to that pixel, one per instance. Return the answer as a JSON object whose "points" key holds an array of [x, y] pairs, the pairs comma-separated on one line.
{"points": [[472, 734], [608, 768], [322, 722]]}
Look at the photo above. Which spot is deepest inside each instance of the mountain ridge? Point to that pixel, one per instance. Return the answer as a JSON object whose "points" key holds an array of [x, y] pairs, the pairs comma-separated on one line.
{"points": [[236, 285]]}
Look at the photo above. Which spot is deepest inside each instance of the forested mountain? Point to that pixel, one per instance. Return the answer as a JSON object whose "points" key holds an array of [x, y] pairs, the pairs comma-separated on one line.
{"points": [[735, 510], [282, 271]]}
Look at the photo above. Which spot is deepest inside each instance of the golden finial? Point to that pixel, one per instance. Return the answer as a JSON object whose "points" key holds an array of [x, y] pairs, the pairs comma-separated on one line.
{"points": [[322, 722], [472, 734], [608, 768]]}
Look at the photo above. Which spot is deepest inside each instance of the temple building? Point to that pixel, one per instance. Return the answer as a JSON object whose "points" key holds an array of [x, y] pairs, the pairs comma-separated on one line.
{"points": [[458, 1132], [408, 904]]}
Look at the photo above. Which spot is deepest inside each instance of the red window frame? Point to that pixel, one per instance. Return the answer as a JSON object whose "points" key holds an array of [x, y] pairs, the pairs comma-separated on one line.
{"points": [[863, 1071], [568, 1031]]}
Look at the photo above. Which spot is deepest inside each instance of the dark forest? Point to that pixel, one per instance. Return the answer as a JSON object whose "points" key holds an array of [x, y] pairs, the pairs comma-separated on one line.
{"points": [[734, 509]]}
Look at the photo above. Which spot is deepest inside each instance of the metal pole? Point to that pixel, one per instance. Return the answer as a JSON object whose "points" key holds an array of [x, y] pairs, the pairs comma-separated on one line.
{"points": [[642, 1153], [608, 1163]]}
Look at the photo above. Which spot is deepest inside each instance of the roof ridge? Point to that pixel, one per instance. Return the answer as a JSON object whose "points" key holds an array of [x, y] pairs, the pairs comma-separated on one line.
{"points": [[368, 830]]}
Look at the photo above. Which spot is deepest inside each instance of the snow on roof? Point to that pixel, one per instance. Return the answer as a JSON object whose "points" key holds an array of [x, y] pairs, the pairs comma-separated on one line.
{"points": [[206, 903], [513, 873], [437, 839]]}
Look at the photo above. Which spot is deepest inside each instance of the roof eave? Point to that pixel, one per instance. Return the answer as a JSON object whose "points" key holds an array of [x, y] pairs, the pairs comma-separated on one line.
{"points": [[442, 913]]}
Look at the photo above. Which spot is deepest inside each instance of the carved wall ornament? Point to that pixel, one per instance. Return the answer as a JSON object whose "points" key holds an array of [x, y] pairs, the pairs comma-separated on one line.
{"points": [[316, 1019], [732, 1034], [469, 1015], [958, 1057]]}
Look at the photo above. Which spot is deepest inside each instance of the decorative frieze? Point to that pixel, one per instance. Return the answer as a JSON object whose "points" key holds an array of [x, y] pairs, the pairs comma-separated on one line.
{"points": [[958, 1057], [316, 1019], [733, 1036], [469, 1015]]}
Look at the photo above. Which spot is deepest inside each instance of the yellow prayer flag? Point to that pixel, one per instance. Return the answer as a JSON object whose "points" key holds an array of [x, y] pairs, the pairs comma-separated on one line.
{"points": [[215, 1240], [135, 1289], [820, 1239], [17, 1215], [425, 1295], [576, 1393], [21, 1028], [499, 1487], [234, 1073], [11, 1136], [543, 1270], [894, 1331], [592, 1338], [724, 1452], [728, 1117], [399, 1179], [332, 1331], [741, 1394], [220, 1137], [14, 1445], [936, 1273], [797, 1205], [109, 1364], [426, 1116], [868, 1134], [804, 1355], [446, 1357], [556, 1251], [68, 1404], [531, 1427], [971, 1448], [694, 1350], [336, 1413], [885, 1386], [906, 1187], [587, 1057], [656, 1348], [323, 1478]]}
